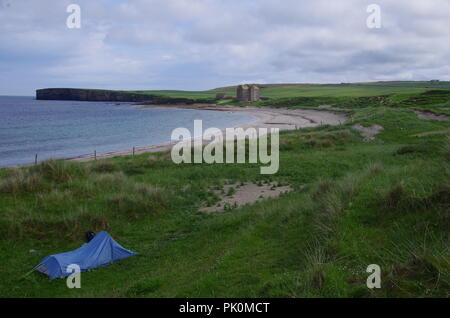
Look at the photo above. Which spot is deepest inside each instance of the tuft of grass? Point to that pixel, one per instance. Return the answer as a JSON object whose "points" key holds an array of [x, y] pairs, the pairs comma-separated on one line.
{"points": [[21, 181], [108, 182], [327, 139], [60, 171], [159, 158], [399, 199], [394, 198], [375, 169], [420, 266], [69, 226], [152, 160], [315, 260], [143, 201], [103, 166], [155, 194], [322, 188]]}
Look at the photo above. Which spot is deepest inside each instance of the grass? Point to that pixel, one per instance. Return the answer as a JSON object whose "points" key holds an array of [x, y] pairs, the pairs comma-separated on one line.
{"points": [[354, 203], [275, 91], [432, 96]]}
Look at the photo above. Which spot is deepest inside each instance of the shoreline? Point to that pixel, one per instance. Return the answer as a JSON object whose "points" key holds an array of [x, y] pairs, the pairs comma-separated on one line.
{"points": [[163, 147], [282, 118]]}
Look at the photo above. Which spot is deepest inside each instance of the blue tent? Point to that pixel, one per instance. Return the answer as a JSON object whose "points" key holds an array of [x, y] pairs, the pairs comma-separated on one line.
{"points": [[102, 250]]}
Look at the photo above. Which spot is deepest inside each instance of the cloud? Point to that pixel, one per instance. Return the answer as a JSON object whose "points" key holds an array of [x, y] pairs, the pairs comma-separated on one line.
{"points": [[201, 44]]}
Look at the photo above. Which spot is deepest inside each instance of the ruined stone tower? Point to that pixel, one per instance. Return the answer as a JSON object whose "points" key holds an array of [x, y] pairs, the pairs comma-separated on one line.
{"points": [[248, 93]]}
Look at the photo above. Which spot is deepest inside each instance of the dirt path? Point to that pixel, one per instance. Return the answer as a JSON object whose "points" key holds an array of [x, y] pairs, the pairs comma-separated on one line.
{"points": [[431, 133], [246, 193], [431, 116]]}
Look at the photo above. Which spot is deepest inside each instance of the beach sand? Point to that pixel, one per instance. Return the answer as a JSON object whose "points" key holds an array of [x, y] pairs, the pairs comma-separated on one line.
{"points": [[282, 118]]}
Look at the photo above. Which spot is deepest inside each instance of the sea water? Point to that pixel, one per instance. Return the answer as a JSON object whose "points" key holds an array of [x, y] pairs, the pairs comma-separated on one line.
{"points": [[65, 129]]}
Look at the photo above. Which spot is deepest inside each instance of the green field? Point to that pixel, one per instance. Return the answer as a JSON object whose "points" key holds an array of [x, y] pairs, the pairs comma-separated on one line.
{"points": [[355, 203], [314, 90]]}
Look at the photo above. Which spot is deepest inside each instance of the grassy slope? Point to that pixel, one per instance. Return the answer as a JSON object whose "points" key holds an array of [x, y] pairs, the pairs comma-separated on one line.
{"points": [[314, 90], [181, 94], [355, 203]]}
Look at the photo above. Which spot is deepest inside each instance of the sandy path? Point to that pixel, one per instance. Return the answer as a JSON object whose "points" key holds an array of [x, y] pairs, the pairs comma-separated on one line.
{"points": [[431, 116], [246, 193], [284, 119]]}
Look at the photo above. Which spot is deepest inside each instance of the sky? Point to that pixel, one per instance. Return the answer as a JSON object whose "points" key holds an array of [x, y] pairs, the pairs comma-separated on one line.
{"points": [[203, 44]]}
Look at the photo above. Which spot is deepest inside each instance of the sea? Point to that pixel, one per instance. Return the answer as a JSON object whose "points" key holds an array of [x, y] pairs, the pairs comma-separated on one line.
{"points": [[67, 129]]}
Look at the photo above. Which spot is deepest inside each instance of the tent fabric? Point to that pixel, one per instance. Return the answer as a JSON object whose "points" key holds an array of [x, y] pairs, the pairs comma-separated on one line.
{"points": [[102, 250]]}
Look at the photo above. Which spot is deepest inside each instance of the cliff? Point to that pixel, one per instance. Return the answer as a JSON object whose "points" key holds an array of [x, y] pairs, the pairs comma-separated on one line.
{"points": [[92, 95]]}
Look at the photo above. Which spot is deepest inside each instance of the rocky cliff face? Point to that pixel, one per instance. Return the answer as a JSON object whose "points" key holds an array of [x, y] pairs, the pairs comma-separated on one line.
{"points": [[105, 96]]}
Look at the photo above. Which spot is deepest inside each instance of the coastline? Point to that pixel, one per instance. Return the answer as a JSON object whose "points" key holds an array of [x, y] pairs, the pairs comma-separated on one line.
{"points": [[282, 118]]}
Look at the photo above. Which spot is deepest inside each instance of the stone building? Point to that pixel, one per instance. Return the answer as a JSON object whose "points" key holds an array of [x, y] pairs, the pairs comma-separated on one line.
{"points": [[254, 93], [242, 93], [248, 93]]}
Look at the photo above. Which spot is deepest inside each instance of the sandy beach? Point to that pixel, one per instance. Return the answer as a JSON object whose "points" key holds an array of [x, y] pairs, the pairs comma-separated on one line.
{"points": [[282, 118]]}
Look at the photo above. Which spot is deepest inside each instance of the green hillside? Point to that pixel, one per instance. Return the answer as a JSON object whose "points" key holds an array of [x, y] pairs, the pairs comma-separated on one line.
{"points": [[313, 90], [355, 202]]}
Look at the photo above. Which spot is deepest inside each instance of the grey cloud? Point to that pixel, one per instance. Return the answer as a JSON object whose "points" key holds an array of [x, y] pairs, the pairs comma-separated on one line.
{"points": [[142, 43]]}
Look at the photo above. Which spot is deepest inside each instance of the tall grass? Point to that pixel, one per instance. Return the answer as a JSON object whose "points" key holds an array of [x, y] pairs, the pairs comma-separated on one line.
{"points": [[21, 181], [354, 204], [60, 171]]}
